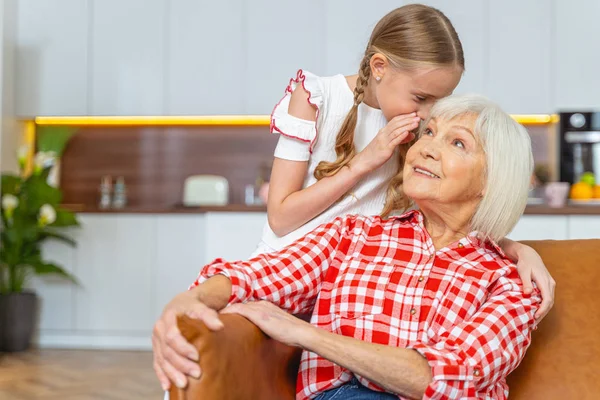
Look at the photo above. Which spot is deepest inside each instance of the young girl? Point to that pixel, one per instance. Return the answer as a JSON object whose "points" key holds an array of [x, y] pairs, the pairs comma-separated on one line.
{"points": [[343, 139]]}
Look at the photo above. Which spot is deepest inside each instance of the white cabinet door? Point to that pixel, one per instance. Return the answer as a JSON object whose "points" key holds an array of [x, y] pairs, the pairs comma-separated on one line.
{"points": [[468, 18], [56, 295], [233, 236], [347, 31], [541, 227], [180, 244], [577, 54], [520, 56], [584, 227], [205, 58], [281, 37], [52, 57], [116, 265], [128, 57]]}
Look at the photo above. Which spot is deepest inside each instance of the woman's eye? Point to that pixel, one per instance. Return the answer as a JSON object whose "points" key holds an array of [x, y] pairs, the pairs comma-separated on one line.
{"points": [[420, 98], [459, 143], [428, 132]]}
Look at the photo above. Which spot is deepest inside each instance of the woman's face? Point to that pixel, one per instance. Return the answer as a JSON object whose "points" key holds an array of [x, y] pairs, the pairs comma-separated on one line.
{"points": [[400, 92], [446, 165]]}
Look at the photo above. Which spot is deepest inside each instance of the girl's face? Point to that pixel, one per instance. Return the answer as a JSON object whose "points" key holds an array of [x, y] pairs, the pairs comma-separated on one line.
{"points": [[404, 92]]}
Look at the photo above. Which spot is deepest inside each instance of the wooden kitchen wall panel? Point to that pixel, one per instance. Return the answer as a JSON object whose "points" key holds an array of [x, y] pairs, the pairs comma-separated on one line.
{"points": [[155, 161]]}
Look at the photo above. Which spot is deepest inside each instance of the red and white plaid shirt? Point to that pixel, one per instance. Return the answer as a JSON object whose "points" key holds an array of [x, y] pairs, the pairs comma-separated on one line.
{"points": [[382, 281]]}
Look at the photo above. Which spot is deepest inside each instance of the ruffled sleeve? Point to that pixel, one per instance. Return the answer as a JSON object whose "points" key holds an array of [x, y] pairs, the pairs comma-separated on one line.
{"points": [[298, 136]]}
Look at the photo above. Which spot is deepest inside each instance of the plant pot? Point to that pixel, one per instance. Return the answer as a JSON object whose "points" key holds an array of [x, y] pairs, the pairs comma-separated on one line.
{"points": [[17, 320]]}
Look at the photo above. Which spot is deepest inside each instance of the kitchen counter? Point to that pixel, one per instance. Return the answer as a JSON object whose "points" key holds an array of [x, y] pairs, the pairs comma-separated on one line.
{"points": [[567, 210], [78, 208], [529, 210]]}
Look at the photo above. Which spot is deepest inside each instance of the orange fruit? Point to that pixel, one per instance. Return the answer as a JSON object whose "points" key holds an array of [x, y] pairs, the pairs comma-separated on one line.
{"points": [[581, 191], [596, 192]]}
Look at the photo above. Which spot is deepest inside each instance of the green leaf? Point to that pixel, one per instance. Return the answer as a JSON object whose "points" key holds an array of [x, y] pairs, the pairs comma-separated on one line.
{"points": [[10, 184], [65, 218], [54, 138], [42, 268], [57, 236], [37, 192]]}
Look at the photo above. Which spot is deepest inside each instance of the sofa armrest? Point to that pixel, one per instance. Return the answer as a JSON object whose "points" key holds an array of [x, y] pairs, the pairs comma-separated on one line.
{"points": [[238, 362]]}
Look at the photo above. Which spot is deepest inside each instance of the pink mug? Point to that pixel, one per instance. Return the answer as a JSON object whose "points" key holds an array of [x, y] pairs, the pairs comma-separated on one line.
{"points": [[556, 193]]}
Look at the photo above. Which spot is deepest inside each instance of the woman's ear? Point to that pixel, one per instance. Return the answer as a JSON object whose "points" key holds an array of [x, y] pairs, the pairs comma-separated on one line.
{"points": [[379, 65]]}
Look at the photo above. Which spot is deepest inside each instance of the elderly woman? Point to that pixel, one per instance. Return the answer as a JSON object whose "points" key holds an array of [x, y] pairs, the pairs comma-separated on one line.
{"points": [[422, 305]]}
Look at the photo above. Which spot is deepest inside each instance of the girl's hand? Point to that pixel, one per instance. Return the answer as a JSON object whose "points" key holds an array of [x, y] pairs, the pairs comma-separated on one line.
{"points": [[273, 321], [381, 148], [531, 267]]}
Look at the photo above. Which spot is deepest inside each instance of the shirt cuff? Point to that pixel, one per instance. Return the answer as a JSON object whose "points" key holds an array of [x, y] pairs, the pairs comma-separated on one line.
{"points": [[241, 289], [445, 369]]}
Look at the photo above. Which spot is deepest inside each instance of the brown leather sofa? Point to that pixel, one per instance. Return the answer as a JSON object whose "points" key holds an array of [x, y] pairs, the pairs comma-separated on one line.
{"points": [[563, 362]]}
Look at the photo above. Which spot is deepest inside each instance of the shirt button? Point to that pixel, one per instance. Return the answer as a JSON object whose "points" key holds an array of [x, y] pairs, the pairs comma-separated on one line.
{"points": [[421, 279], [476, 372], [413, 311], [460, 245]]}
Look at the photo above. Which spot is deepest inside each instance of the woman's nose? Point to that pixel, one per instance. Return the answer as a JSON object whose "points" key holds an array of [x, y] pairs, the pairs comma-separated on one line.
{"points": [[430, 150]]}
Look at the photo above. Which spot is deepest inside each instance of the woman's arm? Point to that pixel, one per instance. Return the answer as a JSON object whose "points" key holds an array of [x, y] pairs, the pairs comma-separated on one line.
{"points": [[467, 362], [290, 277], [398, 370], [531, 267]]}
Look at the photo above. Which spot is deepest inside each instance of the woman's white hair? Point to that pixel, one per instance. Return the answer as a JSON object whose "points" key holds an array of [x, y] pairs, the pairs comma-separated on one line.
{"points": [[509, 162]]}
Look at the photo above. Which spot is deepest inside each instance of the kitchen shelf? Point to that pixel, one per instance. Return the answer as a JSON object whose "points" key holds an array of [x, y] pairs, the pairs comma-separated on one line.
{"points": [[213, 120]]}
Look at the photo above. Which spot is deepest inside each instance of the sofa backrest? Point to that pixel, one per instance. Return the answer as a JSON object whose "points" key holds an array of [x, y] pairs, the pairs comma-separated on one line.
{"points": [[563, 361]]}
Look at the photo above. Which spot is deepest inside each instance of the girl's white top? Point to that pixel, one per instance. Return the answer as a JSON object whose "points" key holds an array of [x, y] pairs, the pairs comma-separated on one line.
{"points": [[302, 140]]}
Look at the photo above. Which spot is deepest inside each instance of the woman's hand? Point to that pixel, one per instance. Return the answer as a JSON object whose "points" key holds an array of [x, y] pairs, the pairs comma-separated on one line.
{"points": [[273, 321], [397, 131], [174, 357]]}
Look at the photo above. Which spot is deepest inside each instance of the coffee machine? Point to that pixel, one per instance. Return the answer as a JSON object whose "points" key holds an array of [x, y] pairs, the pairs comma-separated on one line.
{"points": [[579, 136]]}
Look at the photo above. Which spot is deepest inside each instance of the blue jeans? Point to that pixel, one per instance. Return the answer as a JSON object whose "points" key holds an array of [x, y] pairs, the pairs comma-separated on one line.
{"points": [[355, 391]]}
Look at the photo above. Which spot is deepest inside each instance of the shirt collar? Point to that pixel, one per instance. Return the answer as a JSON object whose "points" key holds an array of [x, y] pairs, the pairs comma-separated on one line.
{"points": [[473, 239]]}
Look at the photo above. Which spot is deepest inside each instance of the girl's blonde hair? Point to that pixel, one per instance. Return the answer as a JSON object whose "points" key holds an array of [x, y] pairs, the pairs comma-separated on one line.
{"points": [[410, 37]]}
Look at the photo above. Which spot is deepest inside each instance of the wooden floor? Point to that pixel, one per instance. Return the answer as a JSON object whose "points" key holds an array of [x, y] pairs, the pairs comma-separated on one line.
{"points": [[78, 375]]}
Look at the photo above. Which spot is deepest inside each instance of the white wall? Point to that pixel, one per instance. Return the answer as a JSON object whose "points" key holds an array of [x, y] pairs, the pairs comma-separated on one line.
{"points": [[198, 57], [9, 132]]}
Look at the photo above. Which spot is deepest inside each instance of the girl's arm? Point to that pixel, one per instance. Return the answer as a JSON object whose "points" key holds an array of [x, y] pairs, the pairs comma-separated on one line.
{"points": [[289, 206], [531, 267]]}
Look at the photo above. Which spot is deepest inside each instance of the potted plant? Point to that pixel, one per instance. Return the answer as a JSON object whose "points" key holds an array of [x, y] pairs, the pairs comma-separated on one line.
{"points": [[30, 215]]}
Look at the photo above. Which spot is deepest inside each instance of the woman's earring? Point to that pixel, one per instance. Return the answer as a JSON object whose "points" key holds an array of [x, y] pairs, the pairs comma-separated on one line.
{"points": [[377, 78]]}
